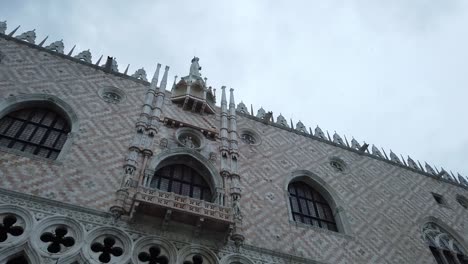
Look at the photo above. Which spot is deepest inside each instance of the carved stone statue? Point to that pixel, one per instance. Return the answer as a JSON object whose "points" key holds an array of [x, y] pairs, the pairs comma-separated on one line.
{"points": [[195, 67], [188, 142], [236, 208]]}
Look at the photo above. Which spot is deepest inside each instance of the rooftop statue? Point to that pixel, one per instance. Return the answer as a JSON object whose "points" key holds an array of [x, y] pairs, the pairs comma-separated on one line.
{"points": [[195, 67]]}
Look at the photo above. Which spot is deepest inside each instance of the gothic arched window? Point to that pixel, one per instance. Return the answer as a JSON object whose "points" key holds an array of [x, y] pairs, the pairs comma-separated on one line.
{"points": [[38, 131], [309, 207], [181, 179], [443, 246]]}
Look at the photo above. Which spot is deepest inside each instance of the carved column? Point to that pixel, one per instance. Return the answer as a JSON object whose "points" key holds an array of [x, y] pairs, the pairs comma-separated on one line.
{"points": [[140, 150]]}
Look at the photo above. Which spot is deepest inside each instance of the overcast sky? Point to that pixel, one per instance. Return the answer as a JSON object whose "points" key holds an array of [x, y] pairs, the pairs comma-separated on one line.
{"points": [[390, 73]]}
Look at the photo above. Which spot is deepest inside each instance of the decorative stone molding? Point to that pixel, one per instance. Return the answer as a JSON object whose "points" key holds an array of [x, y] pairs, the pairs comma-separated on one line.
{"points": [[330, 195], [152, 247], [250, 137], [107, 243], [190, 138], [184, 203], [191, 253], [17, 223], [112, 94], [98, 224], [58, 233], [338, 164], [235, 258]]}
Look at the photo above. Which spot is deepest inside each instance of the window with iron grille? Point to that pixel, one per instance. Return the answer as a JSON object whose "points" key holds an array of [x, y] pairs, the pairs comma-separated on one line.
{"points": [[183, 180], [38, 131], [309, 207]]}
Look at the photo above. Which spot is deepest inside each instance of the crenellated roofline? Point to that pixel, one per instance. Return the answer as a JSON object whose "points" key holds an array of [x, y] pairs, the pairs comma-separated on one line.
{"points": [[110, 67]]}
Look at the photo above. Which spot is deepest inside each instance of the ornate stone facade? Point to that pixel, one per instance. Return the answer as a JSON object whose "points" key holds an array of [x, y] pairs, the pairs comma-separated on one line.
{"points": [[94, 203]]}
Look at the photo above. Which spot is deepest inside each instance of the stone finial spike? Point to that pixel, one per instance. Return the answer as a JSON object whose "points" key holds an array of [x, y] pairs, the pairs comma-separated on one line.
{"points": [[328, 135], [385, 154], [310, 131], [98, 61], [84, 56], [163, 84], [126, 69], [346, 140], [403, 160], [28, 36], [394, 157], [175, 80], [337, 139], [154, 81], [292, 126], [376, 152], [223, 94], [71, 51], [251, 110], [14, 31], [453, 177], [412, 164], [319, 133], [3, 27], [232, 104], [429, 169], [462, 180], [42, 42], [355, 144], [420, 166]]}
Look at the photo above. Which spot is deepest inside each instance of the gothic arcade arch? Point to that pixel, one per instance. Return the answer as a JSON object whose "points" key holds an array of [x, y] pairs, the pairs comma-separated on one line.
{"points": [[443, 241], [47, 101], [328, 193], [190, 158]]}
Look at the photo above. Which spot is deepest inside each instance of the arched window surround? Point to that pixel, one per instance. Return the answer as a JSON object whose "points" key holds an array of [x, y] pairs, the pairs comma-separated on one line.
{"points": [[214, 180], [452, 232], [52, 102], [330, 195]]}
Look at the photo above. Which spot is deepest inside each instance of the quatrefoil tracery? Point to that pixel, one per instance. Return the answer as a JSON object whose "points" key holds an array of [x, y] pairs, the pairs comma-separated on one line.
{"points": [[57, 239], [153, 256], [8, 227], [196, 259], [107, 249]]}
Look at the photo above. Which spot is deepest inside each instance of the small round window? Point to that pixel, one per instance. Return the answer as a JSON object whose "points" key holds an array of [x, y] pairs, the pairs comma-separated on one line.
{"points": [[338, 165], [190, 138], [249, 137], [112, 95]]}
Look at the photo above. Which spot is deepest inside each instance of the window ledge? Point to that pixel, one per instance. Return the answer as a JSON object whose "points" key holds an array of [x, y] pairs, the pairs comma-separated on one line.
{"points": [[29, 155], [319, 229]]}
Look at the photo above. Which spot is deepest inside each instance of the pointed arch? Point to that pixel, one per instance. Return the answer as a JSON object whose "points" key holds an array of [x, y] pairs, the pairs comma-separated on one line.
{"points": [[445, 244], [188, 157], [44, 101], [325, 190], [235, 258], [24, 250]]}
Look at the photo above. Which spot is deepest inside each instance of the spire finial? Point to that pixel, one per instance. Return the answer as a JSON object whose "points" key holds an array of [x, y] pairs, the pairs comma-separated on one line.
{"points": [[162, 86]]}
